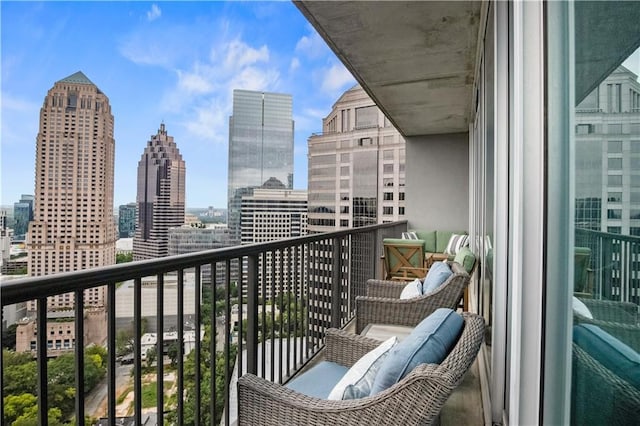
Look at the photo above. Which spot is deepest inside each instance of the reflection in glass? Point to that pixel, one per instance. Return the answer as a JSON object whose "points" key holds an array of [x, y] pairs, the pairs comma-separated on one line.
{"points": [[260, 147], [606, 289]]}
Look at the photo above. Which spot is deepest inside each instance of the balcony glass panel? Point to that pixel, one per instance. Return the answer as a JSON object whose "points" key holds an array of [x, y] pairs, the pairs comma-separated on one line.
{"points": [[605, 253]]}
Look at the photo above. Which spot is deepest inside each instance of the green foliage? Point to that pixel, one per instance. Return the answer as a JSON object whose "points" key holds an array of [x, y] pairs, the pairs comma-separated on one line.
{"points": [[20, 378], [125, 338], [172, 353], [290, 320], [22, 410], [205, 379], [124, 257], [9, 337], [150, 394], [152, 355], [18, 271], [17, 406], [19, 373]]}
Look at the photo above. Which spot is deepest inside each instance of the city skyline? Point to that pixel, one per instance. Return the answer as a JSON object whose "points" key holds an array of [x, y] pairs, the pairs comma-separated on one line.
{"points": [[172, 62]]}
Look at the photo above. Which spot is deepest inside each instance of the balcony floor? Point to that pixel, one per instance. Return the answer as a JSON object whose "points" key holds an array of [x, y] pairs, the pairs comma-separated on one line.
{"points": [[464, 406]]}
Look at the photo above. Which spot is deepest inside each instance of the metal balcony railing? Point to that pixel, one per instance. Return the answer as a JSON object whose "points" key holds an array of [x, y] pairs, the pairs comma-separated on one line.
{"points": [[288, 293], [614, 264]]}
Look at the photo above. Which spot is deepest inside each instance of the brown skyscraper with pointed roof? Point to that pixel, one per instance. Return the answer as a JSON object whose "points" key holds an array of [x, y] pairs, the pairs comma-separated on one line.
{"points": [[160, 199]]}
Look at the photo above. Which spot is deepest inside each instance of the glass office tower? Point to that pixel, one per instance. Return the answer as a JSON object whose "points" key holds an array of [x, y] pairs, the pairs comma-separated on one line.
{"points": [[260, 147]]}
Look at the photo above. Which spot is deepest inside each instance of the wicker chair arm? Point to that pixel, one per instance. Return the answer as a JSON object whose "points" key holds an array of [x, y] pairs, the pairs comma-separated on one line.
{"points": [[346, 348], [384, 288], [409, 312], [266, 403], [609, 310], [629, 334]]}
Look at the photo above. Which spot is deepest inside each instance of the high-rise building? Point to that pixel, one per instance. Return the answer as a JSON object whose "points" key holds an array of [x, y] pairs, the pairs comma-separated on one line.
{"points": [[160, 199], [22, 215], [73, 225], [271, 214], [356, 178], [607, 182], [356, 167], [260, 147], [191, 239], [127, 220]]}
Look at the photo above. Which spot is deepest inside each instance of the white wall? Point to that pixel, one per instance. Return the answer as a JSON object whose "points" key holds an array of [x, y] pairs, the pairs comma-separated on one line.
{"points": [[437, 182]]}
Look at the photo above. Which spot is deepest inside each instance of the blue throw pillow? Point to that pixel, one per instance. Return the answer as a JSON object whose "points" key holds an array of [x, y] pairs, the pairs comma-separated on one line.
{"points": [[437, 275], [429, 343], [609, 351]]}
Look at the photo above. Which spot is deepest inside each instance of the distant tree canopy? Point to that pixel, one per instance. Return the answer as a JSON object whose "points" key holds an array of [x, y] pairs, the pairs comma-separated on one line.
{"points": [[20, 384], [124, 257]]}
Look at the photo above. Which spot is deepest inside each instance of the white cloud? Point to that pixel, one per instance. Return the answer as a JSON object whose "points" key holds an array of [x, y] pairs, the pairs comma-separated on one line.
{"points": [[202, 94], [195, 82], [312, 45], [294, 65], [336, 78], [252, 78], [154, 13], [239, 54]]}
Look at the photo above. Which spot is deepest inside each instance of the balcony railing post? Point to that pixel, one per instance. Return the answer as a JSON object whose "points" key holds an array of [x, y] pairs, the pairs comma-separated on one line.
{"points": [[252, 314], [41, 346], [336, 275], [79, 354]]}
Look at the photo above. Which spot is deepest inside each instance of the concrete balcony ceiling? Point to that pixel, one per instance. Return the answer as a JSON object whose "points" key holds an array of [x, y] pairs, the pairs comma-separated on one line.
{"points": [[415, 59]]}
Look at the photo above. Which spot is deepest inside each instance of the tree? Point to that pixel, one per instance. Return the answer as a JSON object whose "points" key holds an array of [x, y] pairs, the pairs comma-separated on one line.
{"points": [[9, 337], [205, 378], [152, 354], [172, 352], [125, 338], [19, 372], [124, 257], [16, 406]]}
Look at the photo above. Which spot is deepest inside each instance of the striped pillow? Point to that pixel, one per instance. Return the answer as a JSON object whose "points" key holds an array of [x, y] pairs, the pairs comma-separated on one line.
{"points": [[409, 235], [456, 242]]}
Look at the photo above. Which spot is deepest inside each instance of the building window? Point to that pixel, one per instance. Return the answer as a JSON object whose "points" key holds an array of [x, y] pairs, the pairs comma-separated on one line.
{"points": [[388, 196], [614, 180], [387, 210], [584, 129], [614, 197], [614, 214], [614, 163], [615, 147], [614, 129], [366, 117], [387, 168], [614, 229], [344, 223]]}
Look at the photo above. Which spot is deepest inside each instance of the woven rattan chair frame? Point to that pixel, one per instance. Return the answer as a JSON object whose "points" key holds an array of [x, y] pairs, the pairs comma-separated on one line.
{"points": [[608, 398], [415, 400], [382, 305]]}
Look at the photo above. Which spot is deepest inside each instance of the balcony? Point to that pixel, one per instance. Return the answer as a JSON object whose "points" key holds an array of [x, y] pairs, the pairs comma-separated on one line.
{"points": [[288, 293]]}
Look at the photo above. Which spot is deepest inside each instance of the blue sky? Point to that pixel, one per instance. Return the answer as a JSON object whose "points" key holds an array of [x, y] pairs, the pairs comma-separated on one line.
{"points": [[176, 62]]}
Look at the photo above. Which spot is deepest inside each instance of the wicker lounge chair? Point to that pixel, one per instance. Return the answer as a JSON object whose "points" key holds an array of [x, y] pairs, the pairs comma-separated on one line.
{"points": [[382, 305], [415, 400], [599, 397], [620, 319]]}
